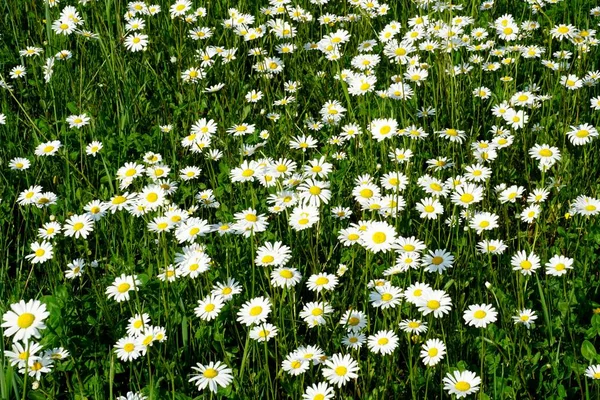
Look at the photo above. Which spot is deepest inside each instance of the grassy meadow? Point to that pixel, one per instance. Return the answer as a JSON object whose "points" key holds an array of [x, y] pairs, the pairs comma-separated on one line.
{"points": [[299, 199]]}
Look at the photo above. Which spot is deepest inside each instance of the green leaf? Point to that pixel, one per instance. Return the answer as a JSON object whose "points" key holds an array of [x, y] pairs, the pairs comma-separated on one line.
{"points": [[587, 350]]}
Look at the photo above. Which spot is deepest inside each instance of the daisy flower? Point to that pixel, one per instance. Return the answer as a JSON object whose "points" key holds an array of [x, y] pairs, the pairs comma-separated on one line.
{"points": [[77, 121], [354, 320], [526, 263], [209, 307], [213, 375], [462, 383], [384, 342], [136, 42], [227, 290], [434, 301], [379, 236], [24, 320], [559, 265], [526, 317], [480, 315], [78, 226], [432, 352], [42, 252], [413, 326], [593, 371], [263, 332], [254, 311], [318, 391], [285, 277], [354, 340], [322, 281], [121, 286], [339, 369]]}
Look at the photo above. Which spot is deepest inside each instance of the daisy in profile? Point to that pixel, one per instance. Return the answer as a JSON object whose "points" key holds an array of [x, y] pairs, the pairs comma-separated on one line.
{"points": [[413, 326], [582, 134], [593, 371], [42, 252], [559, 265], [318, 391], [383, 342], [526, 317], [213, 375], [263, 332], [254, 311], [433, 352], [77, 121], [209, 307], [19, 163], [526, 263], [272, 254], [483, 221], [227, 289], [480, 315], [75, 269], [462, 383], [121, 286], [434, 301], [303, 217], [132, 396], [25, 320], [467, 194], [48, 148], [339, 370]]}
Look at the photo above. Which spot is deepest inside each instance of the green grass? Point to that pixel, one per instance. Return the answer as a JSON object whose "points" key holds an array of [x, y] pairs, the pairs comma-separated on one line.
{"points": [[128, 95]]}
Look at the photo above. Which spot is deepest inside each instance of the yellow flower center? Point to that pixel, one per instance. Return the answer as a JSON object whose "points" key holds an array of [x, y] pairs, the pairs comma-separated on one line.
{"points": [[432, 352], [341, 370], [386, 297], [526, 264], [268, 259], [210, 373], [321, 281], [383, 341], [25, 320], [479, 314], [462, 386], [129, 347], [315, 190], [123, 287], [467, 198], [433, 304], [40, 252], [256, 310], [379, 237]]}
